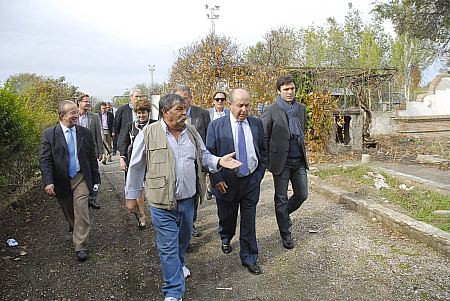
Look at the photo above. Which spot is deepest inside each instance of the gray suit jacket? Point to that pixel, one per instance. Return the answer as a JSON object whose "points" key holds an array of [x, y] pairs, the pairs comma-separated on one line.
{"points": [[200, 119], [211, 113], [95, 126], [276, 130]]}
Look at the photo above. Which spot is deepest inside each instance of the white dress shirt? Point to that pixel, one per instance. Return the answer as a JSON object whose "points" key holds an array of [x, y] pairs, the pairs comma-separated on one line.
{"points": [[252, 159]]}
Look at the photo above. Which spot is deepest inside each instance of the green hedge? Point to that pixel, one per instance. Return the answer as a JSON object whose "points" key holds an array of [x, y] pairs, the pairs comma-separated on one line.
{"points": [[19, 141]]}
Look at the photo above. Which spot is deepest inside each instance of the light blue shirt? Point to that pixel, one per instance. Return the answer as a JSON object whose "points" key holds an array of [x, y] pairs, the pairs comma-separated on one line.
{"points": [[252, 159], [184, 153], [83, 120], [74, 134]]}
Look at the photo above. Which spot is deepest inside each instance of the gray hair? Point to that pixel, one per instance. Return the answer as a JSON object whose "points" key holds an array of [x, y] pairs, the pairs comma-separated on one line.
{"points": [[168, 101], [182, 88], [62, 107], [135, 90]]}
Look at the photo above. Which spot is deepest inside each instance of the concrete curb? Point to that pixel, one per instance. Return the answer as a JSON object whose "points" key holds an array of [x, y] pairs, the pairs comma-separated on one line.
{"points": [[432, 236]]}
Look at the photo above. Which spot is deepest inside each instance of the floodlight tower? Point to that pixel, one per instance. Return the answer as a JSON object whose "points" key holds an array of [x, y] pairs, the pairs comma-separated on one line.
{"points": [[151, 68], [212, 16]]}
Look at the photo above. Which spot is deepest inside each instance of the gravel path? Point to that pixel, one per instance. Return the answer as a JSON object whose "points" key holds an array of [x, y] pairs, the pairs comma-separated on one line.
{"points": [[339, 255]]}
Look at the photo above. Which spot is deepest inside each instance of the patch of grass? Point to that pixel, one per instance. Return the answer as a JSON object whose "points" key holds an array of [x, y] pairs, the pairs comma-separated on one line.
{"points": [[404, 266], [417, 203]]}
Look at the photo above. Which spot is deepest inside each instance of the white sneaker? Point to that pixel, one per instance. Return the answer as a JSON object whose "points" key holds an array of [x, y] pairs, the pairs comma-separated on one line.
{"points": [[172, 299], [186, 272]]}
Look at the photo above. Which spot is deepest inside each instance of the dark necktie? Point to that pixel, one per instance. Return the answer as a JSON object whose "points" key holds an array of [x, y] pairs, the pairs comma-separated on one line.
{"points": [[242, 150], [72, 157]]}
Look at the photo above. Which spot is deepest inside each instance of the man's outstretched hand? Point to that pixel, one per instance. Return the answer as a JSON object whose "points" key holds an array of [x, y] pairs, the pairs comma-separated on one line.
{"points": [[229, 162]]}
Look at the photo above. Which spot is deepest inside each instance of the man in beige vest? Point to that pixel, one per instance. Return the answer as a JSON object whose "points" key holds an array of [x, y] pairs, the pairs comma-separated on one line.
{"points": [[173, 153]]}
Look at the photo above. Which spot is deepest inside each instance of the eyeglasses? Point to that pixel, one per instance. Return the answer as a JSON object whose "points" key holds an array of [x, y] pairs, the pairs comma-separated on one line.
{"points": [[219, 99]]}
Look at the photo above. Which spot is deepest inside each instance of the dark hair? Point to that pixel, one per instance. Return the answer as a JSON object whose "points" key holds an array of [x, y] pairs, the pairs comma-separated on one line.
{"points": [[103, 103], [214, 96], [143, 105], [283, 80], [167, 102]]}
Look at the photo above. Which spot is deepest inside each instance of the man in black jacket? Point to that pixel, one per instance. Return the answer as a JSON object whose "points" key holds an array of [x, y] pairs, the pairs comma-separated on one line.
{"points": [[284, 127], [125, 115], [69, 170]]}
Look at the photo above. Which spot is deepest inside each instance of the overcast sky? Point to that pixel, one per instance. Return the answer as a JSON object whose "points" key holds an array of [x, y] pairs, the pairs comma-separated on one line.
{"points": [[105, 46]]}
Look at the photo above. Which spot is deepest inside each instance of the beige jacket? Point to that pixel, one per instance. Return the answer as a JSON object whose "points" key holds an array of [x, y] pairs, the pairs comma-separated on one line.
{"points": [[160, 178]]}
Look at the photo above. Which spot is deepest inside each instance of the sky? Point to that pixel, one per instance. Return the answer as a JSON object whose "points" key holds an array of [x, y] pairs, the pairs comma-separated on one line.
{"points": [[104, 47]]}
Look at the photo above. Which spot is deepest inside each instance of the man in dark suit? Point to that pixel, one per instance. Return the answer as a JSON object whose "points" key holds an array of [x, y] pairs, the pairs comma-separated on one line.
{"points": [[92, 121], [199, 118], [69, 170], [125, 115], [284, 126], [239, 188], [107, 121]]}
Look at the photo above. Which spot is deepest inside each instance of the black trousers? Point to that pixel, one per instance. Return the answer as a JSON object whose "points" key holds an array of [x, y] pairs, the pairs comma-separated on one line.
{"points": [[242, 194]]}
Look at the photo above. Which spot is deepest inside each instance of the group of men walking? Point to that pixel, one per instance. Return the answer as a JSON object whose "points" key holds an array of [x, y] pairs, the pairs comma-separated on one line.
{"points": [[169, 164]]}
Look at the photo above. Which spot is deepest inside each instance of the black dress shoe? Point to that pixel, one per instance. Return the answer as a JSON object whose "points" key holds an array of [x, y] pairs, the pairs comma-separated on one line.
{"points": [[287, 242], [94, 204], [82, 255], [209, 195], [253, 268], [226, 248]]}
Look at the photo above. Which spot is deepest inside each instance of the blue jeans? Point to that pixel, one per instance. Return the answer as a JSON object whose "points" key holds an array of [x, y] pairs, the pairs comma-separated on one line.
{"points": [[173, 235], [295, 171]]}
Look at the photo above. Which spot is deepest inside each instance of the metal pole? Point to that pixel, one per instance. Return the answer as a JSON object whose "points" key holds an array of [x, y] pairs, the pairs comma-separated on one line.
{"points": [[212, 16], [151, 68]]}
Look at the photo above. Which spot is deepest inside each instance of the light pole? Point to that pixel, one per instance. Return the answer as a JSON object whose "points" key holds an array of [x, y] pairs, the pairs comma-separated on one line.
{"points": [[212, 16], [151, 68]]}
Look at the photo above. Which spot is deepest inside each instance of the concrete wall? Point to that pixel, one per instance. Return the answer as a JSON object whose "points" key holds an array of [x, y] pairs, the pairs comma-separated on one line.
{"points": [[383, 124], [435, 102]]}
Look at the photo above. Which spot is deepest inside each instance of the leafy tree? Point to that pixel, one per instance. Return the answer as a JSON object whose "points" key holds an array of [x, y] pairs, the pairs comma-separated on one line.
{"points": [[280, 48], [314, 46], [410, 56], [206, 66], [427, 20], [335, 43], [353, 27], [369, 54]]}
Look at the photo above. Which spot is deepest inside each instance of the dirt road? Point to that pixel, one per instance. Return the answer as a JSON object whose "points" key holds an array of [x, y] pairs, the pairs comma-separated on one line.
{"points": [[339, 255]]}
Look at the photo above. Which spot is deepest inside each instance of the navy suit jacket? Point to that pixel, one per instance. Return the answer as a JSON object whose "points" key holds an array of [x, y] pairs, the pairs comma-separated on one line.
{"points": [[54, 159], [219, 142]]}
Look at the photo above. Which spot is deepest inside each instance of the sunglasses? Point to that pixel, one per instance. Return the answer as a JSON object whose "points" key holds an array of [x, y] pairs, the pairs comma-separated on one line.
{"points": [[219, 99]]}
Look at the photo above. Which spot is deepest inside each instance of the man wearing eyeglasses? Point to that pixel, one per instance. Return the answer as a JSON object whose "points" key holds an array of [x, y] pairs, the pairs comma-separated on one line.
{"points": [[199, 118], [69, 169], [219, 109], [91, 121]]}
